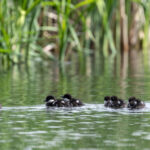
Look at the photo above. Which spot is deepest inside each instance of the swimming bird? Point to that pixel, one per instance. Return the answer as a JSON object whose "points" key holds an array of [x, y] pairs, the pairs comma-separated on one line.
{"points": [[107, 101], [134, 103], [72, 102], [117, 102], [60, 103], [114, 102], [50, 101]]}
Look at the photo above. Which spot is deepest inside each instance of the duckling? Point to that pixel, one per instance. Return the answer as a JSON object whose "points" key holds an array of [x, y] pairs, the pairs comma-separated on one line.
{"points": [[60, 103], [67, 99], [72, 101], [117, 103], [134, 103], [122, 103], [50, 101], [107, 101], [76, 102], [114, 102]]}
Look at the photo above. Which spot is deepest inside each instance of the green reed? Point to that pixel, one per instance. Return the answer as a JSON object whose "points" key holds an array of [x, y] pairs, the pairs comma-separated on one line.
{"points": [[18, 28], [82, 26]]}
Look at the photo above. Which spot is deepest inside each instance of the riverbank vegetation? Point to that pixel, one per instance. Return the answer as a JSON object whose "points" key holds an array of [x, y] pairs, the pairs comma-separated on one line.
{"points": [[54, 30]]}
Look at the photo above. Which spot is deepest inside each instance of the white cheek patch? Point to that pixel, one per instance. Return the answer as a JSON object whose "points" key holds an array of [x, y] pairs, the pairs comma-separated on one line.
{"points": [[77, 101], [66, 99], [51, 100], [135, 102], [62, 102], [119, 102]]}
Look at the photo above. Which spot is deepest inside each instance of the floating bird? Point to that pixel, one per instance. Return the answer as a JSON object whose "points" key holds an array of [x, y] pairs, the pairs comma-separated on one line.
{"points": [[114, 102], [66, 101], [134, 103], [50, 101], [73, 102]]}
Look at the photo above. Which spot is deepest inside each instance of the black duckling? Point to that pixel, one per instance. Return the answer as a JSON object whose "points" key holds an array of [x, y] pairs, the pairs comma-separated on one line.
{"points": [[50, 101], [73, 102], [60, 103], [134, 103], [107, 101], [114, 102], [122, 103], [67, 99], [117, 103]]}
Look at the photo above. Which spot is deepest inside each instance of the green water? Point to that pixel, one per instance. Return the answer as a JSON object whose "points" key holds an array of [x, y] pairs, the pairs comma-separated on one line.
{"points": [[25, 124]]}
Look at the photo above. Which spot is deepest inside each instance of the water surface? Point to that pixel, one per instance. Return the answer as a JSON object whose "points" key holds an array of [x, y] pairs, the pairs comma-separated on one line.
{"points": [[26, 124]]}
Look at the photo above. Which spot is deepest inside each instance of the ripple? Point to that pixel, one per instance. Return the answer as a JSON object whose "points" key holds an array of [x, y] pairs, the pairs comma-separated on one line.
{"points": [[32, 132], [4, 141], [47, 121], [17, 128], [110, 142], [147, 137], [55, 127], [139, 133]]}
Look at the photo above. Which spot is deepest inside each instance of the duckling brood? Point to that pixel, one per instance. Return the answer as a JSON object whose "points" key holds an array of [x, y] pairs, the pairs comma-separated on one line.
{"points": [[114, 102], [66, 101]]}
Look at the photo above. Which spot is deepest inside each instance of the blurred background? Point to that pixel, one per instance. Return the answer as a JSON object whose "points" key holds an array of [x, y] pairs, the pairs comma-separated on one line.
{"points": [[69, 39], [56, 30], [75, 39]]}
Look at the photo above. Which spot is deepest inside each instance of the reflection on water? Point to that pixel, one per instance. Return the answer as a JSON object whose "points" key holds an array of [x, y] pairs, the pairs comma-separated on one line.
{"points": [[26, 124]]}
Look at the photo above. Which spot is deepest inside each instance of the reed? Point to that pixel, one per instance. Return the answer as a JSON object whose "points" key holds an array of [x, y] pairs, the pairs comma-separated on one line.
{"points": [[18, 28], [58, 28]]}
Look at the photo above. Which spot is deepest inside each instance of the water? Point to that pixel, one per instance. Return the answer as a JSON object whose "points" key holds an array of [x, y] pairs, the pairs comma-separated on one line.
{"points": [[26, 124]]}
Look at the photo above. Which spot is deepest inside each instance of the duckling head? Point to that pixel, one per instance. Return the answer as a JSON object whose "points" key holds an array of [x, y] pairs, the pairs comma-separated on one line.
{"points": [[67, 97], [49, 99], [131, 98], [106, 98], [114, 98]]}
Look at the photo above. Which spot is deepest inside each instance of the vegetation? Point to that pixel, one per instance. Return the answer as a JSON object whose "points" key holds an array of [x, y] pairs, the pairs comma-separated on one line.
{"points": [[55, 29]]}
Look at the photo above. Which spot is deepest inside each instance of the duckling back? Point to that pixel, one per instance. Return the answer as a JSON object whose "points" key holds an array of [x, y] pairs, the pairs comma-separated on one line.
{"points": [[76, 102]]}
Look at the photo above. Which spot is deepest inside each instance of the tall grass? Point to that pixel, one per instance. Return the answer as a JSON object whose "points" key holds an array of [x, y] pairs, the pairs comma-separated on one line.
{"points": [[57, 28], [18, 28]]}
